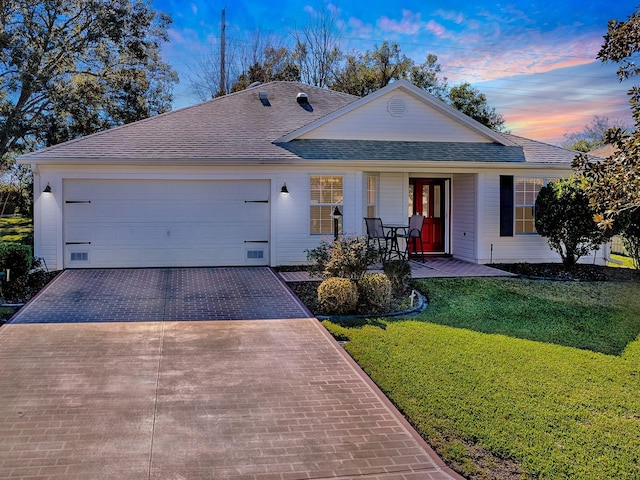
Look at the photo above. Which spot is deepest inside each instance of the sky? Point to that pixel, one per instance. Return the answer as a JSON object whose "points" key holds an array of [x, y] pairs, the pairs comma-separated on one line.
{"points": [[535, 61]]}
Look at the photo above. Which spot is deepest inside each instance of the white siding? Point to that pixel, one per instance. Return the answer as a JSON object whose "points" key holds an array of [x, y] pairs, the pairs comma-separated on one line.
{"points": [[463, 216], [292, 219], [47, 220], [420, 122], [519, 248], [394, 197]]}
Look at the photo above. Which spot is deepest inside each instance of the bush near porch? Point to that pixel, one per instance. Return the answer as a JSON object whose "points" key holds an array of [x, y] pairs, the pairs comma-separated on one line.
{"points": [[514, 378]]}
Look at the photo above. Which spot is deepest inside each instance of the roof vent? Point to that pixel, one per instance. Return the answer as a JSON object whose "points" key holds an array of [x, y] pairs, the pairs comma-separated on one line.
{"points": [[397, 106], [254, 84], [263, 95], [303, 100]]}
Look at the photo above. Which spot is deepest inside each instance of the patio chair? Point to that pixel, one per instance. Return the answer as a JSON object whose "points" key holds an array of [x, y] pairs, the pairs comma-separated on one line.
{"points": [[415, 234], [376, 236]]}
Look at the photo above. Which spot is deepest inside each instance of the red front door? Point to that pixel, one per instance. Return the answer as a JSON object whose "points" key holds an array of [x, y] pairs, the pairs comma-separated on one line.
{"points": [[426, 197]]}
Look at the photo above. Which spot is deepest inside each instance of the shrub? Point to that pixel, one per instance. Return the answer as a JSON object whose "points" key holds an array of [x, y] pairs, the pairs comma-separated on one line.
{"points": [[338, 296], [347, 257], [399, 274], [16, 257], [564, 215], [628, 224], [374, 290]]}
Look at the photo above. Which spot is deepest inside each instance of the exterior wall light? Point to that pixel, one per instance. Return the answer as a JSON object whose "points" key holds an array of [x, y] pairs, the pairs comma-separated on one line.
{"points": [[284, 190], [47, 189]]}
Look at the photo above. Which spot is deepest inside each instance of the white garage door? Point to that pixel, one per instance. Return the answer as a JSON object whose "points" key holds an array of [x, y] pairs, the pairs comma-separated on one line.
{"points": [[109, 223]]}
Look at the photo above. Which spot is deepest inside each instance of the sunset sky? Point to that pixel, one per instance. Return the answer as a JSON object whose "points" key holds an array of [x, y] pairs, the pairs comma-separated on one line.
{"points": [[535, 61]]}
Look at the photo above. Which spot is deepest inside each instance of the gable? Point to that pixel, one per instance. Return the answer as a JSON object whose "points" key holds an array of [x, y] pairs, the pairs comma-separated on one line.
{"points": [[398, 115]]}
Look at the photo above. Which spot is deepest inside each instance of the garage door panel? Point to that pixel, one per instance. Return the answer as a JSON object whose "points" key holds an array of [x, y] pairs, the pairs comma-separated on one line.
{"points": [[166, 223]]}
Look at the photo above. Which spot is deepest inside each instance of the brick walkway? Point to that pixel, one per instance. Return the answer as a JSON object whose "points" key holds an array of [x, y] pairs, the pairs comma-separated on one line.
{"points": [[241, 399], [432, 268]]}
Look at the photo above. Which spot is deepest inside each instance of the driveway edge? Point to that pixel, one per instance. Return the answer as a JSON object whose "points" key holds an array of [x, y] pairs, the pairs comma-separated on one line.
{"points": [[388, 404]]}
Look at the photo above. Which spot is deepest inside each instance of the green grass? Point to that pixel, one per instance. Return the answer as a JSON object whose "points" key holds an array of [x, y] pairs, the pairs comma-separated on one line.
{"points": [[627, 262], [15, 229], [599, 316], [548, 408]]}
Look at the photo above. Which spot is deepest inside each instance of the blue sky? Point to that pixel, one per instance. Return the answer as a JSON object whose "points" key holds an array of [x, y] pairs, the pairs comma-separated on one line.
{"points": [[535, 61]]}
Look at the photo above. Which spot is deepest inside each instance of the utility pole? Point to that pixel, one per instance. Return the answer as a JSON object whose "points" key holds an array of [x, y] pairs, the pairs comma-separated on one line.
{"points": [[223, 83]]}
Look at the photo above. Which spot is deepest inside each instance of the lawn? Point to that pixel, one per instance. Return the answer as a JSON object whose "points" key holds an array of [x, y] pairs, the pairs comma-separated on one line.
{"points": [[15, 229], [512, 378]]}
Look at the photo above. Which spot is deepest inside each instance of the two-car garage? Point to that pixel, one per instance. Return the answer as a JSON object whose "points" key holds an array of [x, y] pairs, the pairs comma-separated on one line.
{"points": [[161, 223]]}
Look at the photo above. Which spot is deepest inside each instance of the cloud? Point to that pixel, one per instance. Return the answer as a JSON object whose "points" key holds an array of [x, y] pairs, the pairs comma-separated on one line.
{"points": [[546, 106], [449, 15], [410, 24]]}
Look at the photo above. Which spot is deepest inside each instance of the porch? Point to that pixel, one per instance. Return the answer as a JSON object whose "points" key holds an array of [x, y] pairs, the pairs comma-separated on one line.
{"points": [[435, 267]]}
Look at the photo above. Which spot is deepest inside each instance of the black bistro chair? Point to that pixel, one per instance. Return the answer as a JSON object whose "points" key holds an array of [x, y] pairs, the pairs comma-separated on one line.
{"points": [[414, 234], [376, 236]]}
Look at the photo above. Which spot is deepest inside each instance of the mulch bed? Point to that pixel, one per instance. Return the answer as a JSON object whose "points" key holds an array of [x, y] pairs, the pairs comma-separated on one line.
{"points": [[581, 272], [307, 292]]}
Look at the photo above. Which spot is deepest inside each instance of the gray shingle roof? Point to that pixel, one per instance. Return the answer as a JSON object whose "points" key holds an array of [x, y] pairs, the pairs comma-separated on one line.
{"points": [[239, 129], [539, 152], [398, 151]]}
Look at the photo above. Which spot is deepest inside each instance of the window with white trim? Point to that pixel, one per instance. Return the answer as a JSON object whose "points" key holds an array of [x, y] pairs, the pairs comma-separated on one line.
{"points": [[526, 192], [372, 196], [325, 195]]}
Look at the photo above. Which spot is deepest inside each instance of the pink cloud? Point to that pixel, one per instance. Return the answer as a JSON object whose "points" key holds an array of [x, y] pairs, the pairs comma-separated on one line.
{"points": [[410, 24], [455, 17], [358, 28]]}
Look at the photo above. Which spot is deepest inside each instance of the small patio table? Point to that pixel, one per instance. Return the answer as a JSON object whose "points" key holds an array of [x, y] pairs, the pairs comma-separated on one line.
{"points": [[394, 249]]}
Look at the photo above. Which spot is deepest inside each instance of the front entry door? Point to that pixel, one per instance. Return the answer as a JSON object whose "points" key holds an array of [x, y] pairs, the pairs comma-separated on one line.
{"points": [[428, 200]]}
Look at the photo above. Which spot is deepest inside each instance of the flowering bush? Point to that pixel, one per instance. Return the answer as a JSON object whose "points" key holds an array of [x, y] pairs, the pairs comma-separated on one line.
{"points": [[347, 257]]}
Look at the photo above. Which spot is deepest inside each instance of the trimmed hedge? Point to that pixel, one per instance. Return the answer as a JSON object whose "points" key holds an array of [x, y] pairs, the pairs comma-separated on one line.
{"points": [[16, 257]]}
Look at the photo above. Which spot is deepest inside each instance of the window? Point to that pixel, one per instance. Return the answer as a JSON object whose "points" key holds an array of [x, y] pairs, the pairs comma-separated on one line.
{"points": [[526, 192], [372, 196], [325, 195]]}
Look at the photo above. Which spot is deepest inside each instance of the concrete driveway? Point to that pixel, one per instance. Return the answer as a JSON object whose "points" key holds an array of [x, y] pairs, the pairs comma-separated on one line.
{"points": [[165, 399]]}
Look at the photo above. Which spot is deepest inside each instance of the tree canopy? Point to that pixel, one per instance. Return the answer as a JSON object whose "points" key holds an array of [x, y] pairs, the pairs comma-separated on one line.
{"points": [[70, 68], [364, 73], [278, 64], [592, 136], [614, 184], [470, 101]]}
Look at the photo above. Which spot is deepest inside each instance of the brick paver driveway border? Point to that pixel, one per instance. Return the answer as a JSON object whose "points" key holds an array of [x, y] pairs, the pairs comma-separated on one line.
{"points": [[163, 294], [228, 399]]}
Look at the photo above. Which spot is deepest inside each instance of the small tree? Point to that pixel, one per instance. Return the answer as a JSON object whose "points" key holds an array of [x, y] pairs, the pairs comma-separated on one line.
{"points": [[563, 215]]}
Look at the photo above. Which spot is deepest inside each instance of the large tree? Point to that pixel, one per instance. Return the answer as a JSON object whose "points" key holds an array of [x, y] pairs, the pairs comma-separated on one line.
{"points": [[278, 65], [614, 183], [69, 68], [317, 47], [473, 103], [365, 73]]}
